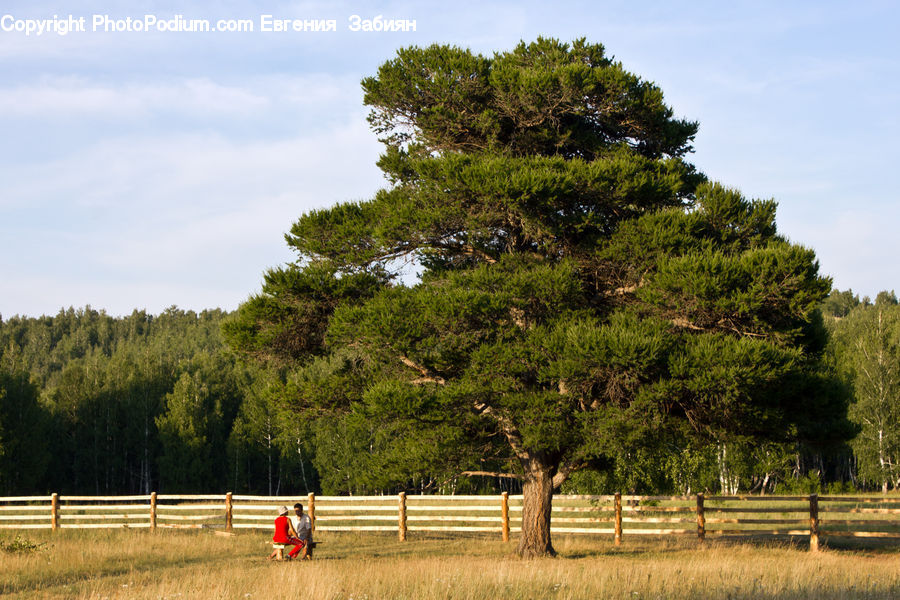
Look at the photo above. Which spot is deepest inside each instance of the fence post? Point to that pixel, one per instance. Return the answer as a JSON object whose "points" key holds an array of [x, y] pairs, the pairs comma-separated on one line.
{"points": [[54, 511], [311, 511], [229, 512], [504, 514], [618, 518], [701, 518], [813, 523], [153, 511], [401, 515]]}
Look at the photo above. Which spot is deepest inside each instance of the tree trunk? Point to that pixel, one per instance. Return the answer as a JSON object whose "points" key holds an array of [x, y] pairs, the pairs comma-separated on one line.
{"points": [[728, 481], [536, 504], [269, 459]]}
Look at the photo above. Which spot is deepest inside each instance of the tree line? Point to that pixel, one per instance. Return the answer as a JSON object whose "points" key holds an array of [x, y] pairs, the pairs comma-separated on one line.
{"points": [[96, 404], [92, 404]]}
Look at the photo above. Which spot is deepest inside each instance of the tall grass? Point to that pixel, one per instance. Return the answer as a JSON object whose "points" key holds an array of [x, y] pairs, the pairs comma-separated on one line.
{"points": [[181, 565]]}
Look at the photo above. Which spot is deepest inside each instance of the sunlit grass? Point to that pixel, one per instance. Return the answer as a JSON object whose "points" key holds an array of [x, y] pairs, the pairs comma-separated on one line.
{"points": [[175, 564]]}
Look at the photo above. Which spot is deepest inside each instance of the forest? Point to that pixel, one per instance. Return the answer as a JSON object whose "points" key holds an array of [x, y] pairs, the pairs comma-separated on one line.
{"points": [[103, 405], [95, 404]]}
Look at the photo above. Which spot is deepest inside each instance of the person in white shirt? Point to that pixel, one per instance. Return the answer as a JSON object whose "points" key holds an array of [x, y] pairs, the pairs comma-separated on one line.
{"points": [[303, 527]]}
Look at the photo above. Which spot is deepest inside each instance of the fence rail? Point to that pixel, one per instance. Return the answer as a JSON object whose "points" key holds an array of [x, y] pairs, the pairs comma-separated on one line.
{"points": [[621, 516]]}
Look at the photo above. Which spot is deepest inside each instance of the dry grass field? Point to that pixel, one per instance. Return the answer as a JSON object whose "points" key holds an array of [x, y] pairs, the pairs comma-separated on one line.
{"points": [[199, 565]]}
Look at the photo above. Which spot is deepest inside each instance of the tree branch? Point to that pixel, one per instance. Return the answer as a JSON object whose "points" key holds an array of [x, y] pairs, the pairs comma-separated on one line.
{"points": [[723, 324], [621, 291], [684, 323], [427, 376], [463, 249], [730, 325], [565, 470], [506, 426], [491, 474]]}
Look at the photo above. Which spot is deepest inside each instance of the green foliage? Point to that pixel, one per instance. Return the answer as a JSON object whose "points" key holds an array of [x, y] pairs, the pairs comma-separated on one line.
{"points": [[543, 98], [682, 467], [24, 428], [836, 488], [130, 405], [22, 545], [287, 320], [885, 298], [194, 428], [271, 447], [759, 292], [839, 304], [865, 348], [811, 483]]}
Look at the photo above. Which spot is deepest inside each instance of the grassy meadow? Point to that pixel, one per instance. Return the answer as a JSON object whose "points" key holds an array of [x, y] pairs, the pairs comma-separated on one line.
{"points": [[200, 565]]}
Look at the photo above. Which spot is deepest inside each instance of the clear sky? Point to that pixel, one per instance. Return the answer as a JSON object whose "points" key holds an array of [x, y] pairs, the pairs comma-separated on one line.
{"points": [[142, 170]]}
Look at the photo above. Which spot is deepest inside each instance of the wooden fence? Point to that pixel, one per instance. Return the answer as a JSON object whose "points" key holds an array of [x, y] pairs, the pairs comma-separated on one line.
{"points": [[620, 516]]}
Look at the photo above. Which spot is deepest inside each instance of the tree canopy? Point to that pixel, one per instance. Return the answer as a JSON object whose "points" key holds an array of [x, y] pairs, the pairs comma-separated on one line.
{"points": [[583, 292]]}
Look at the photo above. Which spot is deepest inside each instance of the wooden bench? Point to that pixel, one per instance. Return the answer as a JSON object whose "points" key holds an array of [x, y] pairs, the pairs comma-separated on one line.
{"points": [[278, 551]]}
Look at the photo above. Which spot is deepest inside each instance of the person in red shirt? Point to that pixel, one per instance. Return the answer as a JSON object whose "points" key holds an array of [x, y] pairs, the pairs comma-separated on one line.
{"points": [[285, 534]]}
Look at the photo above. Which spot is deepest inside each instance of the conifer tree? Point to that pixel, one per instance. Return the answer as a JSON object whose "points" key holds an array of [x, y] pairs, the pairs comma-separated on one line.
{"points": [[583, 290]]}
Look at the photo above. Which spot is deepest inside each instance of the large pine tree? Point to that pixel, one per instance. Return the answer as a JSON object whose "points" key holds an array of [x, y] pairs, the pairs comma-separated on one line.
{"points": [[581, 290]]}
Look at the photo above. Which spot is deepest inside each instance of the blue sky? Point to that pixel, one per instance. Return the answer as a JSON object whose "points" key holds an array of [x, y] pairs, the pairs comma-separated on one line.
{"points": [[142, 170]]}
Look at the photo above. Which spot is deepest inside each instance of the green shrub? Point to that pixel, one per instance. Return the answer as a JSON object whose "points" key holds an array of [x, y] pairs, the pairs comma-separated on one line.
{"points": [[20, 545], [836, 488], [809, 484]]}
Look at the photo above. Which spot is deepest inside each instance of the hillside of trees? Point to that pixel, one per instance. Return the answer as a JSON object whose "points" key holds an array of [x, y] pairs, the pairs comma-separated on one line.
{"points": [[99, 405]]}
